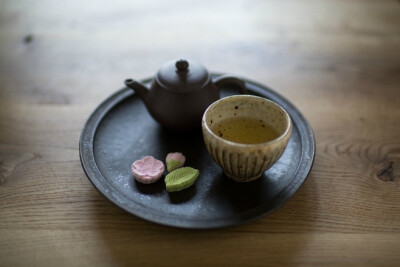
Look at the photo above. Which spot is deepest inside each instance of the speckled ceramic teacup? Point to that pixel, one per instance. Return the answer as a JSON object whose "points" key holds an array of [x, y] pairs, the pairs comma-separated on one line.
{"points": [[246, 162]]}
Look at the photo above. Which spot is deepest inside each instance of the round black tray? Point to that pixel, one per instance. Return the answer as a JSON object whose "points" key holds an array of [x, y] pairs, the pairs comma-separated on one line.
{"points": [[120, 131]]}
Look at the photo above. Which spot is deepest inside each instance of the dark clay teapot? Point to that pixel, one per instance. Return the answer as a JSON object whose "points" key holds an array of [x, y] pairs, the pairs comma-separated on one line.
{"points": [[180, 93]]}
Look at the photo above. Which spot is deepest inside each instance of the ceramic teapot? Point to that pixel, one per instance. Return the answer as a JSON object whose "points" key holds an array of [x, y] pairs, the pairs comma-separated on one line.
{"points": [[180, 93]]}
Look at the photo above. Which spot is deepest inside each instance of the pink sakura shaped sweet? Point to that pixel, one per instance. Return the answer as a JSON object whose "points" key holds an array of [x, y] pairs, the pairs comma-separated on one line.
{"points": [[147, 170]]}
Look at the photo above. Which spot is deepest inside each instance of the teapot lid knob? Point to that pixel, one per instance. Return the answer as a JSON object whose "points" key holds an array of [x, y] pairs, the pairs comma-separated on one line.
{"points": [[178, 77], [182, 66]]}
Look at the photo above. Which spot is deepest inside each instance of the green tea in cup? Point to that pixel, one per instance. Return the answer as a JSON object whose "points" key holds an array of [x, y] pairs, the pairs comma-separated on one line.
{"points": [[246, 135], [245, 130]]}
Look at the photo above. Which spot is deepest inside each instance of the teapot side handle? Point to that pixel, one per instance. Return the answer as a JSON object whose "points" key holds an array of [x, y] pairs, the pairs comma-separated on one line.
{"points": [[230, 80]]}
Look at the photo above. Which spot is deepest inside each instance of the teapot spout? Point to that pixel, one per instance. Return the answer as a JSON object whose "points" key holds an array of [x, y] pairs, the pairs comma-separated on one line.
{"points": [[138, 87]]}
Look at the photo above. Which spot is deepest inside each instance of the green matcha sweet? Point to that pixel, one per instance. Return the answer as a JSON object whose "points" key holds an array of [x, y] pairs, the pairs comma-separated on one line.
{"points": [[181, 179]]}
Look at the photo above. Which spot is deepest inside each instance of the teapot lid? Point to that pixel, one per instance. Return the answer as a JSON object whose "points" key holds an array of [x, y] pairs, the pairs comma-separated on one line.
{"points": [[182, 76]]}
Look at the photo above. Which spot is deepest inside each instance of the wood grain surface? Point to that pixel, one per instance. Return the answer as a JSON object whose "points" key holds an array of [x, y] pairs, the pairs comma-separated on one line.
{"points": [[337, 61]]}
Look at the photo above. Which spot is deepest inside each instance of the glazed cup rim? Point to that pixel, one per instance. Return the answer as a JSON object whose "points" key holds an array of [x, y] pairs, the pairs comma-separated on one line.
{"points": [[276, 140]]}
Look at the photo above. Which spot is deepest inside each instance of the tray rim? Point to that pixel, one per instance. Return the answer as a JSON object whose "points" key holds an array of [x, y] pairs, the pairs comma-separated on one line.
{"points": [[90, 167]]}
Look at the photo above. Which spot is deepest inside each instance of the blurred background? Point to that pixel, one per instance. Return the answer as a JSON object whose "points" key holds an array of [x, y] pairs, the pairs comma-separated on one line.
{"points": [[85, 49]]}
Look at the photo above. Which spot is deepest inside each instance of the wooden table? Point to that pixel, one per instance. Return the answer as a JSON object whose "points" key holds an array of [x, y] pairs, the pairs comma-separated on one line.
{"points": [[337, 61]]}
